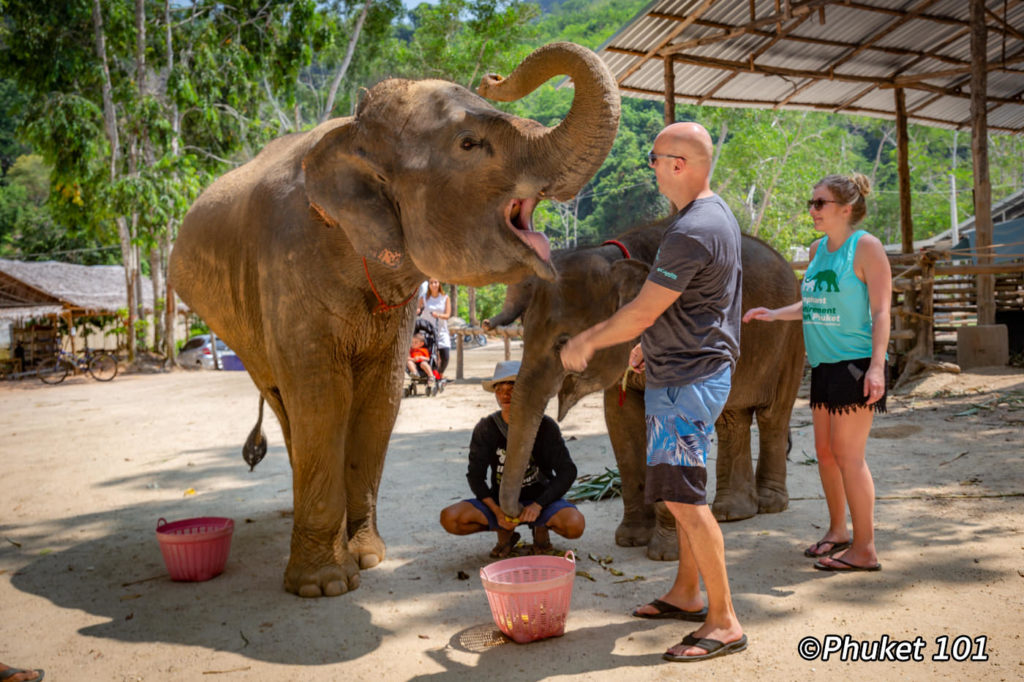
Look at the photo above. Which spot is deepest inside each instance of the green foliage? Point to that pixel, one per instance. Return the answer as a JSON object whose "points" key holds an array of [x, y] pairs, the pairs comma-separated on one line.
{"points": [[461, 40], [12, 104], [596, 487], [587, 22], [28, 230], [489, 300]]}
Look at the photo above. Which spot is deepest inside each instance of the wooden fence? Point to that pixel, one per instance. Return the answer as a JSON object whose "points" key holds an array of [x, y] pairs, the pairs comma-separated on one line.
{"points": [[505, 333], [935, 295]]}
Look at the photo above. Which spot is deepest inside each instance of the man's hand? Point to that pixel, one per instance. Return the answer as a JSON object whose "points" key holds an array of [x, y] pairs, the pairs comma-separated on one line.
{"points": [[530, 513], [576, 353], [636, 358], [506, 522]]}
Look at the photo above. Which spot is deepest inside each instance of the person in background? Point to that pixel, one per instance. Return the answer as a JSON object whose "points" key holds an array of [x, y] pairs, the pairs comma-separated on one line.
{"points": [[419, 357], [688, 311], [437, 307], [846, 295], [548, 477], [19, 357]]}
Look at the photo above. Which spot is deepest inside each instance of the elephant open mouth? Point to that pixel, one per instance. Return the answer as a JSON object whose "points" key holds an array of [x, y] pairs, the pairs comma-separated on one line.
{"points": [[519, 218]]}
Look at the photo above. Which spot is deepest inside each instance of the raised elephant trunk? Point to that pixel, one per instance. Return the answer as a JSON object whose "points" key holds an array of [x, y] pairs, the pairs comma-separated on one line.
{"points": [[571, 152], [534, 388]]}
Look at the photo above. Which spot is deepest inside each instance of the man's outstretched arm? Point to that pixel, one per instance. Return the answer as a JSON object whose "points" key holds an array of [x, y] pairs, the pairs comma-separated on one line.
{"points": [[626, 324]]}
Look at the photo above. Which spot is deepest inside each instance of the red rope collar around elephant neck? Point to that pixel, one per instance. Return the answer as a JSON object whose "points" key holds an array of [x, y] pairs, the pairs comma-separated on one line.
{"points": [[383, 307], [622, 247]]}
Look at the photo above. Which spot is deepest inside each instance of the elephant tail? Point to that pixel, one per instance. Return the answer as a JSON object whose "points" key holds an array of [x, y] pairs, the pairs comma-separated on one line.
{"points": [[255, 448]]}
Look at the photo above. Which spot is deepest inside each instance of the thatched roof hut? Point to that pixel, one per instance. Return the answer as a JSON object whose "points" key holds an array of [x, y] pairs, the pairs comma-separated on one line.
{"points": [[49, 288]]}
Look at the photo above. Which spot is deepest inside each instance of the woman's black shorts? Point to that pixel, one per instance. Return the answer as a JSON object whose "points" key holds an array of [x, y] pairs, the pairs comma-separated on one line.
{"points": [[839, 386]]}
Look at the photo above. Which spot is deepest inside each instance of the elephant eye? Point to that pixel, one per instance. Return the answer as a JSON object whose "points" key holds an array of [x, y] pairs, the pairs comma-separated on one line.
{"points": [[468, 143]]}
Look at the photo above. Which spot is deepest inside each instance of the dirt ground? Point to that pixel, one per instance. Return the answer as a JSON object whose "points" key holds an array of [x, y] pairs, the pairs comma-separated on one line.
{"points": [[89, 468]]}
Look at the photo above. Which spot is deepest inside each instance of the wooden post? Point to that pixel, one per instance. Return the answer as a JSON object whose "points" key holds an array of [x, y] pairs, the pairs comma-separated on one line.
{"points": [[458, 357], [926, 323], [979, 154], [670, 91], [903, 172], [71, 331], [508, 347]]}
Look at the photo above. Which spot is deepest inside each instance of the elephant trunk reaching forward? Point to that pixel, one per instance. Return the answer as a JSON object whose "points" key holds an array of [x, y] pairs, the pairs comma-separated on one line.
{"points": [[305, 261], [592, 284]]}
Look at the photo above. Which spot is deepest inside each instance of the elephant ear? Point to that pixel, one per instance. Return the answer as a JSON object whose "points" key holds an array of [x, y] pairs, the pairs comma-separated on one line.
{"points": [[628, 277], [347, 190]]}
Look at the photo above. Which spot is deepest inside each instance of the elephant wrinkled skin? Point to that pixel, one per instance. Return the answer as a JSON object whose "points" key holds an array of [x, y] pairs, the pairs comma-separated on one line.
{"points": [[305, 260], [592, 284]]}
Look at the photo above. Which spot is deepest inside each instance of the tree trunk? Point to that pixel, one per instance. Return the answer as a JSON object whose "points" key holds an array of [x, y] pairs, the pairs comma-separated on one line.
{"points": [[453, 294], [471, 292], [156, 274], [110, 125], [140, 309], [343, 68], [170, 301]]}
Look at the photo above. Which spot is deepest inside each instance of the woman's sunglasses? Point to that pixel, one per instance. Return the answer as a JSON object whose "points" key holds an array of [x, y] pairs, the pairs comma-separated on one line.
{"points": [[818, 204]]}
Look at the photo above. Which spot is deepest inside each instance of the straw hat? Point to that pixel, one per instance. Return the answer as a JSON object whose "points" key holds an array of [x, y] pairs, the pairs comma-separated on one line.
{"points": [[503, 371]]}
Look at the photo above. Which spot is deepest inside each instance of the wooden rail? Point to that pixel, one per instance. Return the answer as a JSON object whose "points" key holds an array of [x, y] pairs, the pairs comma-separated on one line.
{"points": [[505, 333]]}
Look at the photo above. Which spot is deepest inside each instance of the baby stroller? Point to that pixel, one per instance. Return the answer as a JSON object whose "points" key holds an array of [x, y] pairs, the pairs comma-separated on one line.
{"points": [[429, 332]]}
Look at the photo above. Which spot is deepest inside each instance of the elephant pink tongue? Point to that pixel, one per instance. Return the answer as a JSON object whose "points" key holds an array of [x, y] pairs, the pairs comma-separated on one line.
{"points": [[538, 241]]}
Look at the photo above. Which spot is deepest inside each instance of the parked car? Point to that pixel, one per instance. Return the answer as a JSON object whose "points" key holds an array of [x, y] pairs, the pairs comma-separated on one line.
{"points": [[197, 353]]}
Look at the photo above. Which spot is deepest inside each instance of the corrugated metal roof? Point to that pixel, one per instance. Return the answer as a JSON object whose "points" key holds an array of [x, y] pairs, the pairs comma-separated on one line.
{"points": [[844, 56]]}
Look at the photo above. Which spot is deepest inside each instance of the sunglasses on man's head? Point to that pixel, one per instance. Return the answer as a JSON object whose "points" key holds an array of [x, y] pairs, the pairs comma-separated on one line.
{"points": [[818, 204]]}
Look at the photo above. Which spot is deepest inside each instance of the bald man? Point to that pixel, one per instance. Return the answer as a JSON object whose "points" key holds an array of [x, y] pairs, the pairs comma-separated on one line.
{"points": [[688, 313]]}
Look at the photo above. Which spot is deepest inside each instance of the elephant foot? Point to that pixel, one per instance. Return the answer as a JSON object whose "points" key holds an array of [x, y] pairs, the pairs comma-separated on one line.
{"points": [[634, 534], [770, 501], [367, 547], [664, 545], [324, 580], [731, 507]]}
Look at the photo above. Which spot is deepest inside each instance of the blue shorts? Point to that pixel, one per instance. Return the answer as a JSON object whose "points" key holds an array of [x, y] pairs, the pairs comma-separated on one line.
{"points": [[680, 423], [545, 513]]}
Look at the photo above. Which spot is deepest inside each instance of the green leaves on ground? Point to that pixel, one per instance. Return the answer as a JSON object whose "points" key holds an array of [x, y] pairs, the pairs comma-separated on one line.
{"points": [[596, 487]]}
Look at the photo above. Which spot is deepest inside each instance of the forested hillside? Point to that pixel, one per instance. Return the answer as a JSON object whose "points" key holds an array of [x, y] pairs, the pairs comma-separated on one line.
{"points": [[104, 143]]}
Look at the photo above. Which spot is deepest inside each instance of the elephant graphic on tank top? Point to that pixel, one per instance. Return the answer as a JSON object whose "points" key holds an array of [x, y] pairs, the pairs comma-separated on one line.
{"points": [[828, 278]]}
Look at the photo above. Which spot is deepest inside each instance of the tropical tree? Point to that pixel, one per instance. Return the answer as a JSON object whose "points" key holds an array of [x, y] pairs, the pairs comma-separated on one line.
{"points": [[135, 107]]}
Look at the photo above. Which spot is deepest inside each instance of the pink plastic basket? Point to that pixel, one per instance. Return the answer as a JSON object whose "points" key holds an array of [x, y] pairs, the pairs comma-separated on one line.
{"points": [[195, 549], [530, 595]]}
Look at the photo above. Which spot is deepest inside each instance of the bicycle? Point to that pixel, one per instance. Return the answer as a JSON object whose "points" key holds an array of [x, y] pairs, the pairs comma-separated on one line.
{"points": [[101, 366]]}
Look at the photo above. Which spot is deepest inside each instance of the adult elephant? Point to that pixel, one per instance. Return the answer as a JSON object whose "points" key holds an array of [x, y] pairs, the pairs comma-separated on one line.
{"points": [[305, 260], [592, 284]]}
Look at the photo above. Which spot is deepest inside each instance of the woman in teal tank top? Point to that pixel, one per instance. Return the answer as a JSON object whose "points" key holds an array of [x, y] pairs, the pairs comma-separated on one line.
{"points": [[845, 300]]}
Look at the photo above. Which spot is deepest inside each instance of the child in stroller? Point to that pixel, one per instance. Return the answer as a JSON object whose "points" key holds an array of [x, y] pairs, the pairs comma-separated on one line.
{"points": [[422, 363]]}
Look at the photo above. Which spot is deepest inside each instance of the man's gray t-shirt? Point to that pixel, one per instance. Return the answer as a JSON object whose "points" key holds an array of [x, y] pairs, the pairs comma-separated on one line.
{"points": [[700, 332]]}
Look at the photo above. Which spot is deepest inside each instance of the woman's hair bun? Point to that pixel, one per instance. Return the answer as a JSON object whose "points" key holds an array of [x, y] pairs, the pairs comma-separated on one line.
{"points": [[862, 183]]}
